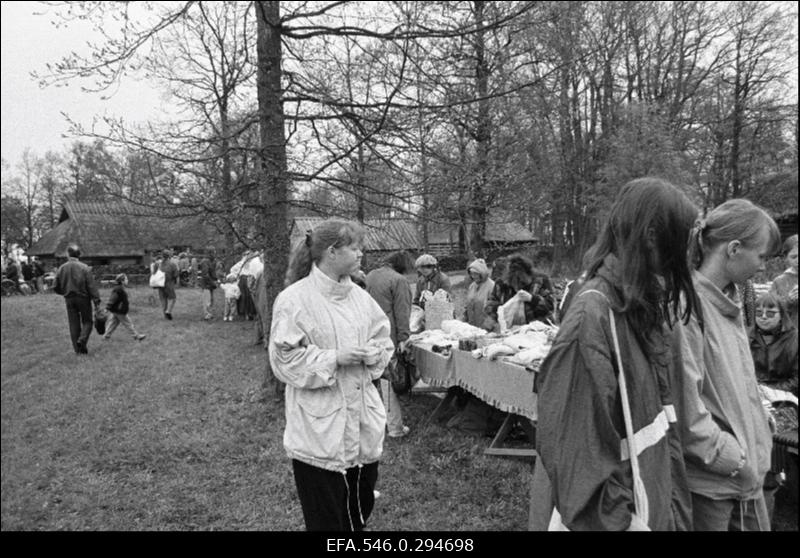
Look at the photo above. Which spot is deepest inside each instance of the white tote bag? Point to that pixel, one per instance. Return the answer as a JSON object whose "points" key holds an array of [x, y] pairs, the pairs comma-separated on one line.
{"points": [[157, 279]]}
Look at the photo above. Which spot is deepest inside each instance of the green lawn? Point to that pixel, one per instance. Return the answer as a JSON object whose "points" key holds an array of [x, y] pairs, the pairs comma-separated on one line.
{"points": [[178, 433]]}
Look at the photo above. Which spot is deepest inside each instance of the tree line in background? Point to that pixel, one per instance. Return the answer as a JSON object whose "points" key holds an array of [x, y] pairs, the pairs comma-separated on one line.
{"points": [[441, 111]]}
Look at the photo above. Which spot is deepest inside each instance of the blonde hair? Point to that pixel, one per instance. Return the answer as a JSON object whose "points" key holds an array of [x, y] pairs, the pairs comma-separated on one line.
{"points": [[736, 219], [309, 250]]}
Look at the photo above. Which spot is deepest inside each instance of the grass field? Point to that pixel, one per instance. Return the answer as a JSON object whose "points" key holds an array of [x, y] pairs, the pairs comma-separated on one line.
{"points": [[179, 432]]}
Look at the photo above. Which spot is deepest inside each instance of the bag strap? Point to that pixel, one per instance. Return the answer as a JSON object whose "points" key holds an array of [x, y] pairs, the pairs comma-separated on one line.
{"points": [[640, 502], [639, 493]]}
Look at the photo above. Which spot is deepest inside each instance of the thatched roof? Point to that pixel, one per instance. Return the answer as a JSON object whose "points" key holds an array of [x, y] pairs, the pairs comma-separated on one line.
{"points": [[385, 235], [404, 234], [499, 231], [122, 229]]}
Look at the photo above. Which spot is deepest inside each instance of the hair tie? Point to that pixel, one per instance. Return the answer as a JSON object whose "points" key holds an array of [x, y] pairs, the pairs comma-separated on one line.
{"points": [[308, 238]]}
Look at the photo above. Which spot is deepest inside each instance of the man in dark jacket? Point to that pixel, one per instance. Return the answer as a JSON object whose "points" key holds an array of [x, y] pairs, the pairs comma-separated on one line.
{"points": [[75, 282], [207, 281]]}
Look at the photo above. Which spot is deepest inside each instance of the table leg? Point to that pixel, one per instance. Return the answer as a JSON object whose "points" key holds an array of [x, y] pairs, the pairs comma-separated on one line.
{"points": [[496, 447], [440, 408]]}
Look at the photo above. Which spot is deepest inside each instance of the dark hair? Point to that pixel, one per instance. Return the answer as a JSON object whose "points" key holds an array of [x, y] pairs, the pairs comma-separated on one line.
{"points": [[736, 219], [516, 265], [313, 245], [400, 261], [649, 209], [73, 251], [499, 266]]}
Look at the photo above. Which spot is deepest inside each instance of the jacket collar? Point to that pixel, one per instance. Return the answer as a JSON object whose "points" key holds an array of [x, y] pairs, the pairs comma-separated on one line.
{"points": [[611, 273], [329, 287], [726, 302]]}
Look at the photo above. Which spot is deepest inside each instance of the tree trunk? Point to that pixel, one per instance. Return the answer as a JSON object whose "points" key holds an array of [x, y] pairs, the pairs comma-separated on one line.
{"points": [[483, 137], [272, 153]]}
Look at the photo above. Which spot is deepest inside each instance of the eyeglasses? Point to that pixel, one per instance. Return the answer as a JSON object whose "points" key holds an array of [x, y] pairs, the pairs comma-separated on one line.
{"points": [[768, 313]]}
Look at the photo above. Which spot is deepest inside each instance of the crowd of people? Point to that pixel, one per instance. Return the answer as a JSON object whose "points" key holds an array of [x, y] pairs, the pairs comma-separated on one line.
{"points": [[650, 414], [25, 273]]}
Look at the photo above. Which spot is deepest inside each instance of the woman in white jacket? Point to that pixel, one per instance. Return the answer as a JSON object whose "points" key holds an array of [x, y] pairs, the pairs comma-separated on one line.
{"points": [[329, 340]]}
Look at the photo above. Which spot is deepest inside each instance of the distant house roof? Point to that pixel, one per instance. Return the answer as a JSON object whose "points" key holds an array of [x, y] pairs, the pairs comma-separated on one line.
{"points": [[122, 229], [404, 234], [381, 234], [500, 231]]}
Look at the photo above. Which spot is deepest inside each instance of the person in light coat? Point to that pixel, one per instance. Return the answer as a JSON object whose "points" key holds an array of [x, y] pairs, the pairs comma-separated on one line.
{"points": [[329, 341], [726, 435]]}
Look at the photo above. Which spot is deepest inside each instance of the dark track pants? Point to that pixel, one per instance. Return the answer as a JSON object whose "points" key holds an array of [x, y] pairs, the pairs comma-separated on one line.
{"points": [[334, 501], [79, 315]]}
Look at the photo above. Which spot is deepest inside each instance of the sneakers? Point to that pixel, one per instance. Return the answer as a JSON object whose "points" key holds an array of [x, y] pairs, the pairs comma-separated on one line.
{"points": [[81, 348], [167, 315], [140, 337], [403, 432]]}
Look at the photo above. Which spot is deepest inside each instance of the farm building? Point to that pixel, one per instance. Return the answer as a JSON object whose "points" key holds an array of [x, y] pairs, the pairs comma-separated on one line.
{"points": [[122, 233], [388, 235], [503, 234], [383, 236]]}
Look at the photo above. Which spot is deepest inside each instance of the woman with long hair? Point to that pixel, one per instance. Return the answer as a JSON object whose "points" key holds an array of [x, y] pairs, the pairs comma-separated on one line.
{"points": [[329, 341], [725, 431], [637, 276]]}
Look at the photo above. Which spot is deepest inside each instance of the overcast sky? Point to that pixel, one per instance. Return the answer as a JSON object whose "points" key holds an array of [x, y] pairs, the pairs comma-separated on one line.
{"points": [[31, 116]]}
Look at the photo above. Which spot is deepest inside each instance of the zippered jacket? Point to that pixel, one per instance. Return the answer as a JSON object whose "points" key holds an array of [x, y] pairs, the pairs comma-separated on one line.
{"points": [[335, 418], [581, 436], [721, 415]]}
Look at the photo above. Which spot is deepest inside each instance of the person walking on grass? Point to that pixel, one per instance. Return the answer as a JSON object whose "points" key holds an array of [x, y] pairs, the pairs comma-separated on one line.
{"points": [[118, 305], [207, 281], [329, 342], [636, 278], [167, 292], [725, 428], [74, 281]]}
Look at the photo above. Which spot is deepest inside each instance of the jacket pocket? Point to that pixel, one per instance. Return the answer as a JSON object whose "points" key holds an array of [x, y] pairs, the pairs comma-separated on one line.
{"points": [[729, 456], [321, 422], [373, 425]]}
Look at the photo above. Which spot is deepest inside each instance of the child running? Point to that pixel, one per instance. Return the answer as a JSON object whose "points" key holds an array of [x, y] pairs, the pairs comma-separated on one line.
{"points": [[119, 305]]}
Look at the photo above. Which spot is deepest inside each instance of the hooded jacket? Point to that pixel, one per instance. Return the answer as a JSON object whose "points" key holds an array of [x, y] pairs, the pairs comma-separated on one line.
{"points": [[477, 294], [335, 419], [721, 415]]}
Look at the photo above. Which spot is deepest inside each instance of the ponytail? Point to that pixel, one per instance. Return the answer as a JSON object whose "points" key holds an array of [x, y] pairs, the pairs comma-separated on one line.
{"points": [[310, 249]]}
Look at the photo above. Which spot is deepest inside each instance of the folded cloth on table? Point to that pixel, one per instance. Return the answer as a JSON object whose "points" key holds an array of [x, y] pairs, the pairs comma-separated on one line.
{"points": [[530, 357], [462, 329], [527, 340], [497, 350], [432, 337]]}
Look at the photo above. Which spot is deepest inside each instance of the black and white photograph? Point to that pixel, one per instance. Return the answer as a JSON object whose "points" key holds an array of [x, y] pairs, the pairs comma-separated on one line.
{"points": [[436, 271]]}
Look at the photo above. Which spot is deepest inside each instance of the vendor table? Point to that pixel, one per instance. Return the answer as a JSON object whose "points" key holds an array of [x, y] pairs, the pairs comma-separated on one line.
{"points": [[507, 387]]}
